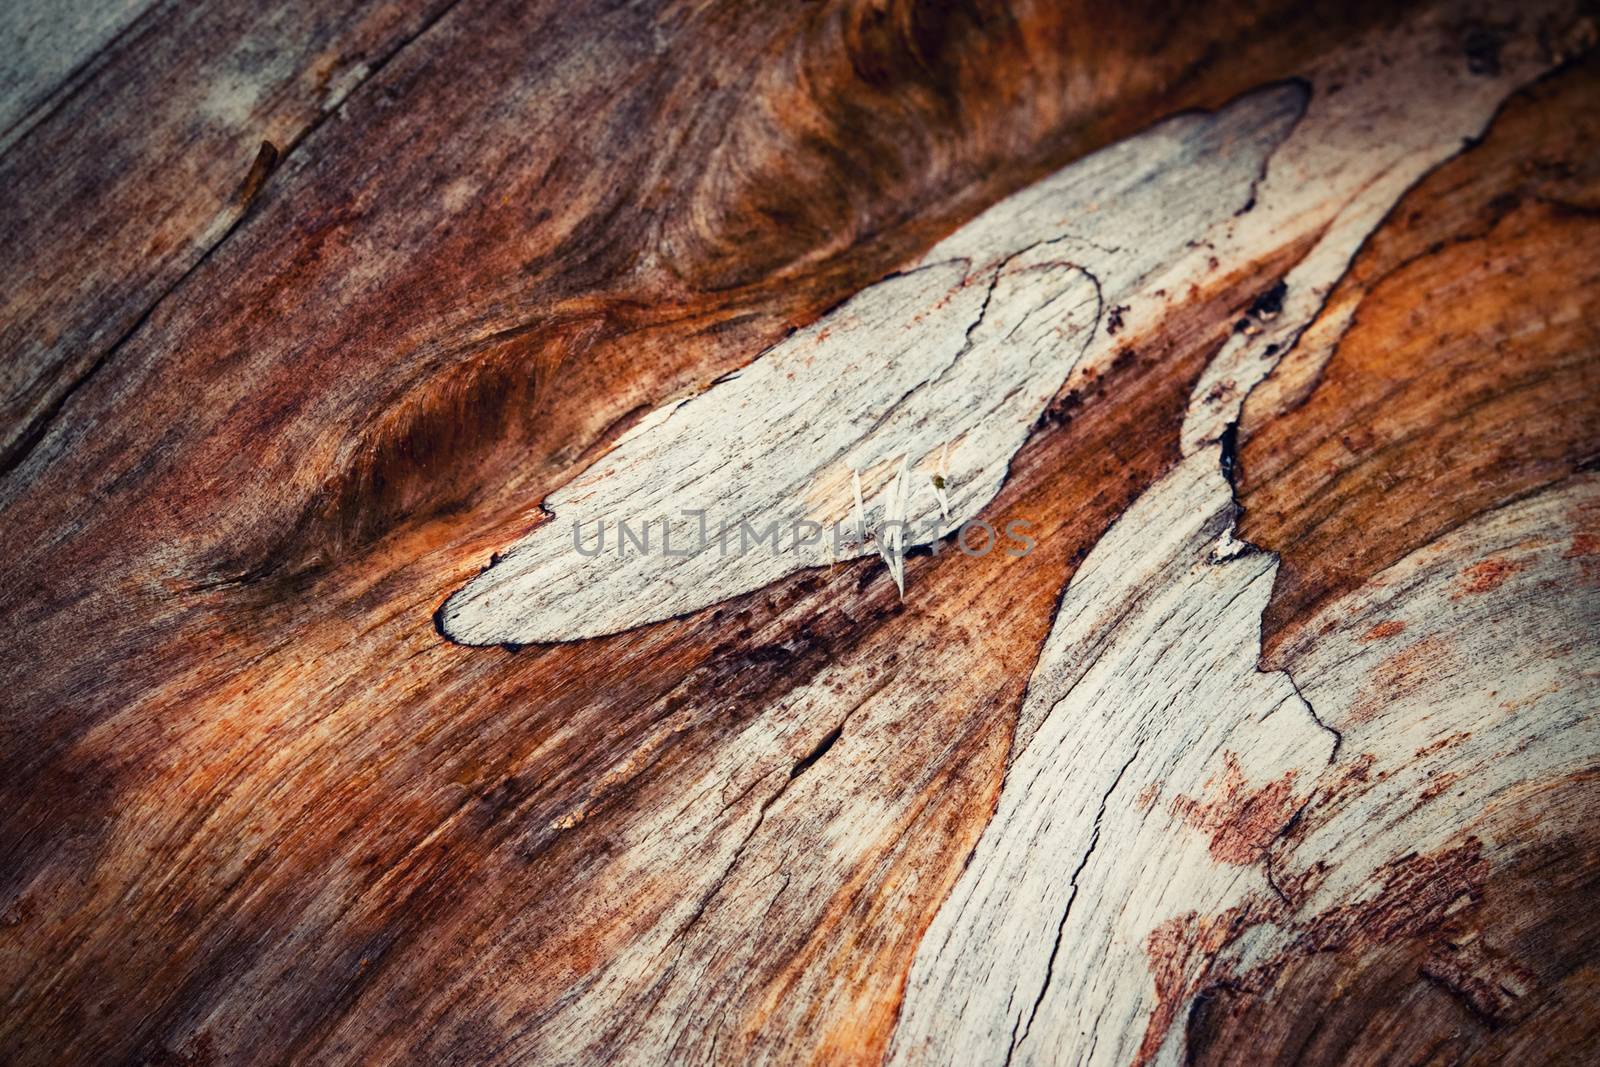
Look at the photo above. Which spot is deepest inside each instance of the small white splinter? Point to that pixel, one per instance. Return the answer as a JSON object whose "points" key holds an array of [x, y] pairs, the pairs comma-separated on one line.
{"points": [[889, 537], [861, 506], [891, 546]]}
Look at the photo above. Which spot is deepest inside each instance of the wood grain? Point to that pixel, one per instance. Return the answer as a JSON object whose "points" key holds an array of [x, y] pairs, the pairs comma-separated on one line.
{"points": [[266, 411], [1490, 397], [939, 372], [1156, 773], [137, 170]]}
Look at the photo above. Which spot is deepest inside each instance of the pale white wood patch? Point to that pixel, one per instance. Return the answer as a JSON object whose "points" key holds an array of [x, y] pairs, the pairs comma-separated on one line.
{"points": [[1146, 706], [1146, 689], [953, 360], [1460, 690], [1146, 698], [949, 364]]}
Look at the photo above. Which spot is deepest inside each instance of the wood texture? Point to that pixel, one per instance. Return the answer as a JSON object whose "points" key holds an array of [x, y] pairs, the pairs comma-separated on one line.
{"points": [[941, 371], [1278, 746], [130, 175], [1146, 718]]}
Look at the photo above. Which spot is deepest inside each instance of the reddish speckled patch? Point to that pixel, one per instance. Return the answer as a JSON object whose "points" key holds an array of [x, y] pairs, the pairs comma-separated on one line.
{"points": [[1387, 628], [1583, 545], [1419, 897], [1418, 894], [1487, 575], [1438, 785], [1443, 743], [1585, 549], [1400, 675], [1240, 822], [1182, 954]]}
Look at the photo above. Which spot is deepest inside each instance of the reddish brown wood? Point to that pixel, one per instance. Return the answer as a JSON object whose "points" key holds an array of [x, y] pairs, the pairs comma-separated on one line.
{"points": [[1468, 376], [267, 407]]}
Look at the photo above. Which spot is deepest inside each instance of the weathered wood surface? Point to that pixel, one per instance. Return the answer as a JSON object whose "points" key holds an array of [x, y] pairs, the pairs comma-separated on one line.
{"points": [[1279, 745]]}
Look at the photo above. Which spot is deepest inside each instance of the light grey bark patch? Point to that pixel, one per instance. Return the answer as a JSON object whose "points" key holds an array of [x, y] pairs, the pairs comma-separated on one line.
{"points": [[942, 370], [42, 42], [1147, 704]]}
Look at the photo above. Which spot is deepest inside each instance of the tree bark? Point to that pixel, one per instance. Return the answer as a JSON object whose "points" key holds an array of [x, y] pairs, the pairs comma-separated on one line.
{"points": [[1194, 659]]}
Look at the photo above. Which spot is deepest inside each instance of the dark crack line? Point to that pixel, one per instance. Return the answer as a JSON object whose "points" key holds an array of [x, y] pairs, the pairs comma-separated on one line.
{"points": [[1338, 735], [995, 274], [1304, 91], [966, 343], [1228, 461], [1050, 966], [40, 426], [1267, 859]]}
